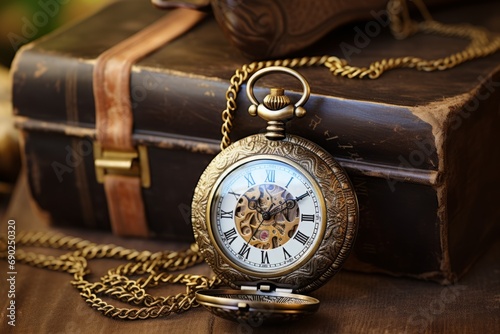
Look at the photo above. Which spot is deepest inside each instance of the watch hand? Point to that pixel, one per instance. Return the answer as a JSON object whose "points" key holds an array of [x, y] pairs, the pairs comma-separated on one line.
{"points": [[253, 204], [289, 203], [265, 216], [302, 196]]}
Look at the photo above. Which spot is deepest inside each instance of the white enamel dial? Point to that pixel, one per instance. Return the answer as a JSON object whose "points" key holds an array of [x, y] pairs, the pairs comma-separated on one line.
{"points": [[267, 216]]}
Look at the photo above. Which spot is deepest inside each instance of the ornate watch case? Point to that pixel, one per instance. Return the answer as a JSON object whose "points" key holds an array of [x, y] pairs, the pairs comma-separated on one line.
{"points": [[274, 215]]}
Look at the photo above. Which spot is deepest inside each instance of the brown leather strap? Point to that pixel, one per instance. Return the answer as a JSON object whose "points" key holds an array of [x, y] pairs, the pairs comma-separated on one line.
{"points": [[112, 76], [125, 191], [114, 117]]}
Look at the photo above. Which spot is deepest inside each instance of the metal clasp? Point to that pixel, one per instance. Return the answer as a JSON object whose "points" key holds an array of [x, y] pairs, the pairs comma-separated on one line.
{"points": [[129, 163]]}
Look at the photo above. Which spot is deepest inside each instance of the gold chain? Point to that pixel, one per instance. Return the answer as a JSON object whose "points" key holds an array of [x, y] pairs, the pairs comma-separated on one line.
{"points": [[157, 268], [482, 43], [154, 269]]}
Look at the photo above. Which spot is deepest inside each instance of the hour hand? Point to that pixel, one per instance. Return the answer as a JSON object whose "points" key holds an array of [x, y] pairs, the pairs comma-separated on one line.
{"points": [[298, 198]]}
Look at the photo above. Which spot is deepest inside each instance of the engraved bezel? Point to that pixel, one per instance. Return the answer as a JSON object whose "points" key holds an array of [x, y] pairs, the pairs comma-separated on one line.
{"points": [[266, 272], [340, 212]]}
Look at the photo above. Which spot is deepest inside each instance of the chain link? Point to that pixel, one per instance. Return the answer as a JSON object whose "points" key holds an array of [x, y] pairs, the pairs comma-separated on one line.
{"points": [[482, 43], [154, 269]]}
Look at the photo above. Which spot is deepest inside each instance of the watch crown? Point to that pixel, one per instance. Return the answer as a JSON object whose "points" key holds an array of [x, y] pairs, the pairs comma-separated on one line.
{"points": [[276, 99]]}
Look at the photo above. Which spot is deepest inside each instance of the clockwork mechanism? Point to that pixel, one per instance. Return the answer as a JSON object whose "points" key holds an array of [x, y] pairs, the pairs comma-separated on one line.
{"points": [[267, 216]]}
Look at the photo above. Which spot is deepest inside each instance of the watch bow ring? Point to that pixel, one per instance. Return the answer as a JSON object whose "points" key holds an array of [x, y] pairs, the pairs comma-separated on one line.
{"points": [[274, 216], [276, 108]]}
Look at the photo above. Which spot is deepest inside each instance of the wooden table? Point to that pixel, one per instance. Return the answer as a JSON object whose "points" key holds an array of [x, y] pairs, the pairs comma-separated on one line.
{"points": [[350, 303]]}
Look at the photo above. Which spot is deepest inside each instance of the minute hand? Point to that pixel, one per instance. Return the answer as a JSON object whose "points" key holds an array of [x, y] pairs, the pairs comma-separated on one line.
{"points": [[290, 203]]}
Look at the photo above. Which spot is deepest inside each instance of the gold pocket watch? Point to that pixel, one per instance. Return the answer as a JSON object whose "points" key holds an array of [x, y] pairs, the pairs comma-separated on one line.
{"points": [[274, 215]]}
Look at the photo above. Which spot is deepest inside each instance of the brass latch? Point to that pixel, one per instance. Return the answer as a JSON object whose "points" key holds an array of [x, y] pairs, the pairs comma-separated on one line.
{"points": [[133, 163]]}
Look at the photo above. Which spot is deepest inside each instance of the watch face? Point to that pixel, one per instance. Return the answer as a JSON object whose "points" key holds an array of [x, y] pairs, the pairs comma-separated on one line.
{"points": [[266, 215]]}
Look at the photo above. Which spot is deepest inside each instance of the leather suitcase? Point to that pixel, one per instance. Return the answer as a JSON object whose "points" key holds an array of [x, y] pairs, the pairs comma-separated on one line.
{"points": [[420, 148]]}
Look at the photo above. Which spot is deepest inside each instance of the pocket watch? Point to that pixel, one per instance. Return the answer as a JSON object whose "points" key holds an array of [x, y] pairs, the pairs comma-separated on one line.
{"points": [[274, 216]]}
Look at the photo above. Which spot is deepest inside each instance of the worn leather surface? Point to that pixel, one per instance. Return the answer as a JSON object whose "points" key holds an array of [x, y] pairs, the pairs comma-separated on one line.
{"points": [[263, 29], [111, 78]]}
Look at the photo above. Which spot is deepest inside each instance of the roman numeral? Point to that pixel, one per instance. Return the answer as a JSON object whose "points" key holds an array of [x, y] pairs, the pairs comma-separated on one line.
{"points": [[230, 235], [307, 218], [286, 254], [226, 214], [244, 251], [235, 194], [270, 175], [264, 257], [289, 181], [250, 179], [301, 237]]}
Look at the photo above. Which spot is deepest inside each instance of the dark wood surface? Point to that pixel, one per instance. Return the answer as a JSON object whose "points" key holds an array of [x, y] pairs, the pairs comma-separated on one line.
{"points": [[350, 302]]}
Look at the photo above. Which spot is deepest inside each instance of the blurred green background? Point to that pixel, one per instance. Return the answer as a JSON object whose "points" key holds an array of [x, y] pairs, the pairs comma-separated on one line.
{"points": [[22, 21]]}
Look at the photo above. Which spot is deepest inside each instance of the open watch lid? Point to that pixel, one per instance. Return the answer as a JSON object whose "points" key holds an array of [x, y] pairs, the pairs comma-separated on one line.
{"points": [[257, 304]]}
